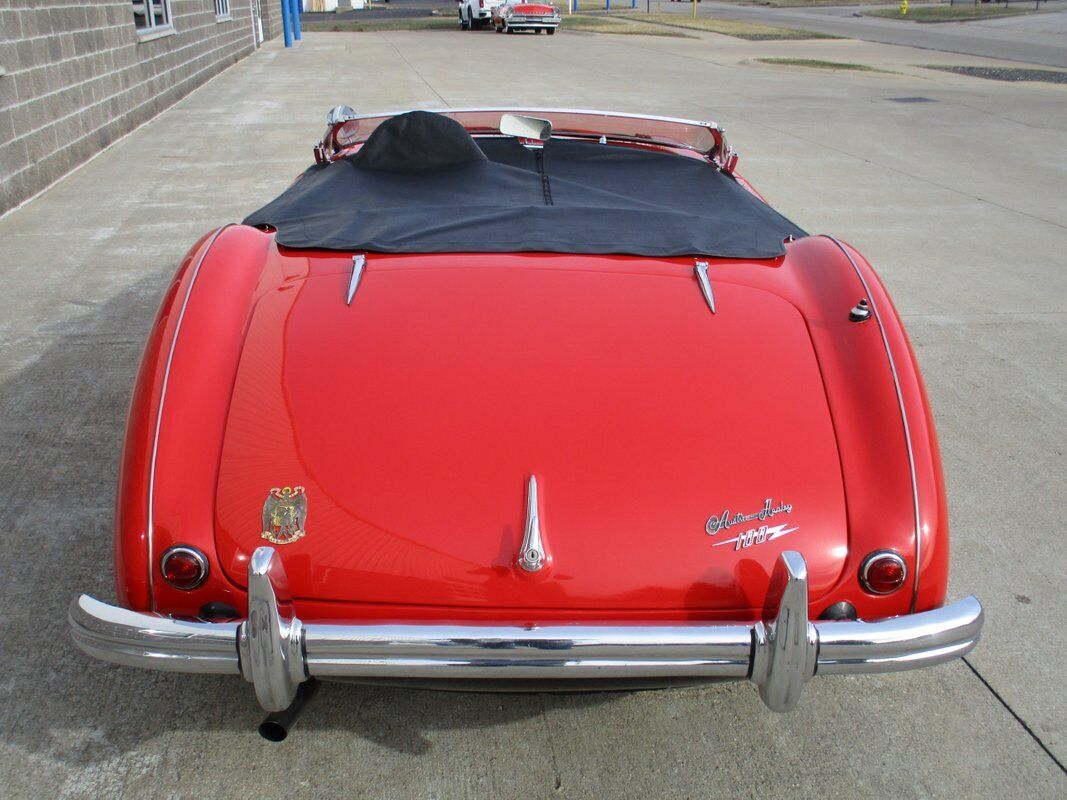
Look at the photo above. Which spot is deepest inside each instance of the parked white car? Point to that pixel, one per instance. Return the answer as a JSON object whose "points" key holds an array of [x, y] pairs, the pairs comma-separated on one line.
{"points": [[475, 14]]}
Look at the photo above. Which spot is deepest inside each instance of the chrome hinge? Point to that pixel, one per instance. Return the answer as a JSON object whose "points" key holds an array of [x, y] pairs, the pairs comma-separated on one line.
{"points": [[358, 263], [701, 270]]}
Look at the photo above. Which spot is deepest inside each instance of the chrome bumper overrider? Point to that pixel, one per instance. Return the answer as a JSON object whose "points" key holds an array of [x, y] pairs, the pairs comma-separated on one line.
{"points": [[275, 651]]}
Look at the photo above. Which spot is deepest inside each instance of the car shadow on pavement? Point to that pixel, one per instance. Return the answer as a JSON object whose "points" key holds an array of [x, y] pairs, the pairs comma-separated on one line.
{"points": [[62, 418], [400, 718]]}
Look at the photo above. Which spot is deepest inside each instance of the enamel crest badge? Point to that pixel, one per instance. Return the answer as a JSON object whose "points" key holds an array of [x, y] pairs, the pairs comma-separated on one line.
{"points": [[284, 513]]}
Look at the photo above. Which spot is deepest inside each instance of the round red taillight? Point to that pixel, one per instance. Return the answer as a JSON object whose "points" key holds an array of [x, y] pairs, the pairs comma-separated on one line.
{"points": [[183, 567], [883, 572]]}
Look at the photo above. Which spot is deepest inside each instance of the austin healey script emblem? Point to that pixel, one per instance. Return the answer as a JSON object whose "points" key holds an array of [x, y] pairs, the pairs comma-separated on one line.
{"points": [[750, 534], [284, 513]]}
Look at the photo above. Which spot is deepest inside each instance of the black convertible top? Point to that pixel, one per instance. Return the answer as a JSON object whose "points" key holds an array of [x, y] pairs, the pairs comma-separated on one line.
{"points": [[422, 184]]}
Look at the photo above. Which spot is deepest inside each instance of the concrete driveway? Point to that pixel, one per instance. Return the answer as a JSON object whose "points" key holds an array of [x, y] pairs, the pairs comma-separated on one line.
{"points": [[953, 186]]}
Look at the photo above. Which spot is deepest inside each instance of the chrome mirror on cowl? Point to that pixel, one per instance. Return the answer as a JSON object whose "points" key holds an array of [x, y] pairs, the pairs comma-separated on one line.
{"points": [[335, 118], [525, 127]]}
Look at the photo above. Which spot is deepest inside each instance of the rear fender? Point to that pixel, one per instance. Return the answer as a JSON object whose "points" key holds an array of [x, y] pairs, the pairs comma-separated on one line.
{"points": [[174, 423]]}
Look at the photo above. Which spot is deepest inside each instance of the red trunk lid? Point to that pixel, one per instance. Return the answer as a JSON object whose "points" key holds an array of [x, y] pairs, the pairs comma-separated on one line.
{"points": [[414, 416]]}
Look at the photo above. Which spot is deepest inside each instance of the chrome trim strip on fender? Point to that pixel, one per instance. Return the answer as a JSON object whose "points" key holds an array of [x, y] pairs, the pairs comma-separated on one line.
{"points": [[903, 417], [150, 526], [277, 652]]}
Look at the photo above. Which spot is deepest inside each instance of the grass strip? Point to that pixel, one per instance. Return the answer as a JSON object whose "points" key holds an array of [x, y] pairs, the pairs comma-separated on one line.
{"points": [[946, 13], [814, 63], [605, 24]]}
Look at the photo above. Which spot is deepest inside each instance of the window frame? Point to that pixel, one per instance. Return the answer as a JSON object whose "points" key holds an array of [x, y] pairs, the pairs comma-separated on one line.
{"points": [[222, 11], [153, 29]]}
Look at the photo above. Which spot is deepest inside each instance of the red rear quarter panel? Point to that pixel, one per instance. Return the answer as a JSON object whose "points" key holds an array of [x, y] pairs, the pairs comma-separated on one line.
{"points": [[889, 458], [177, 410]]}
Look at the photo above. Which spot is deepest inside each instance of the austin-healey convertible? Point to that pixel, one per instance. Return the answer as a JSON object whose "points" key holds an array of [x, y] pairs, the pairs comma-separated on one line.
{"points": [[526, 400]]}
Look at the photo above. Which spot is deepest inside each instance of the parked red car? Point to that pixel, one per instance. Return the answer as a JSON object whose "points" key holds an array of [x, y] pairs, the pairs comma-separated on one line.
{"points": [[527, 399], [513, 16]]}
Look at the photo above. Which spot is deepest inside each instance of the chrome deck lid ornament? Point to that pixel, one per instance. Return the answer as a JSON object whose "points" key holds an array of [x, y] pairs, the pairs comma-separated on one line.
{"points": [[861, 312], [532, 554]]}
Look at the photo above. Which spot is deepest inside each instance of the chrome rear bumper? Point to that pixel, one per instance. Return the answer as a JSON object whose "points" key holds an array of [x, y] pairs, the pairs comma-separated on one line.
{"points": [[533, 24], [275, 651]]}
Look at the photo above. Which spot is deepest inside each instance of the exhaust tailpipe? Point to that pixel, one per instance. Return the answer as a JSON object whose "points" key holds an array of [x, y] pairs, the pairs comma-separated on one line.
{"points": [[276, 727]]}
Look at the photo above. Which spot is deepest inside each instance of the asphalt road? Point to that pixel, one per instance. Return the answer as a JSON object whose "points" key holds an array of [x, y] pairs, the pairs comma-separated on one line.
{"points": [[1032, 39], [957, 200]]}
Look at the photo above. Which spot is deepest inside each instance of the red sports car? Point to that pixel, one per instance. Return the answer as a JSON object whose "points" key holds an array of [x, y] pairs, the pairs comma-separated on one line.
{"points": [[526, 399], [514, 16]]}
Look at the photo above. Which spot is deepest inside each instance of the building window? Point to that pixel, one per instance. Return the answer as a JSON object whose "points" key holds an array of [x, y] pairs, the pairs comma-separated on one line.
{"points": [[150, 16], [222, 9]]}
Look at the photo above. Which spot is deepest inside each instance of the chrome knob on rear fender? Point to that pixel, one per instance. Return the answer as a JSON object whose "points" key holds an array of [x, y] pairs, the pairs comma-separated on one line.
{"points": [[861, 312]]}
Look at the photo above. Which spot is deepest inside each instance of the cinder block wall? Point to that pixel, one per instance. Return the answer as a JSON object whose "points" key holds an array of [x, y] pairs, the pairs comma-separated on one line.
{"points": [[78, 75], [271, 12]]}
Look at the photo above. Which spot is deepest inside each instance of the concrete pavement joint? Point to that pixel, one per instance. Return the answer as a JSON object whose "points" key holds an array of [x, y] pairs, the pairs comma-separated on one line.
{"points": [[412, 68], [1005, 118], [557, 781], [1012, 711]]}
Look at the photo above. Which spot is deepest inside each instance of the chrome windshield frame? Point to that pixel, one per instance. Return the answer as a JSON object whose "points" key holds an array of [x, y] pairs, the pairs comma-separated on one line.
{"points": [[719, 153]]}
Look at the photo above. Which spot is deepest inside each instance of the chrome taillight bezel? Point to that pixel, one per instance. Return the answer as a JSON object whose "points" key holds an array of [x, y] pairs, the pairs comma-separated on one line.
{"points": [[197, 556], [879, 555]]}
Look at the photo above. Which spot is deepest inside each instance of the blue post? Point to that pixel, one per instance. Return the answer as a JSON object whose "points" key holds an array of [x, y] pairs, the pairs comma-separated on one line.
{"points": [[607, 4], [296, 5], [287, 23], [633, 3]]}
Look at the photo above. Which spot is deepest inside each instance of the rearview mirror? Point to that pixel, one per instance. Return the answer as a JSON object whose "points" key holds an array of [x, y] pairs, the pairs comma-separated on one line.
{"points": [[339, 114], [525, 127]]}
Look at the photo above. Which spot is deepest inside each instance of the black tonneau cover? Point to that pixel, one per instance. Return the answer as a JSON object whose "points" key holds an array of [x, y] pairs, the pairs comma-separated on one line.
{"points": [[421, 184]]}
